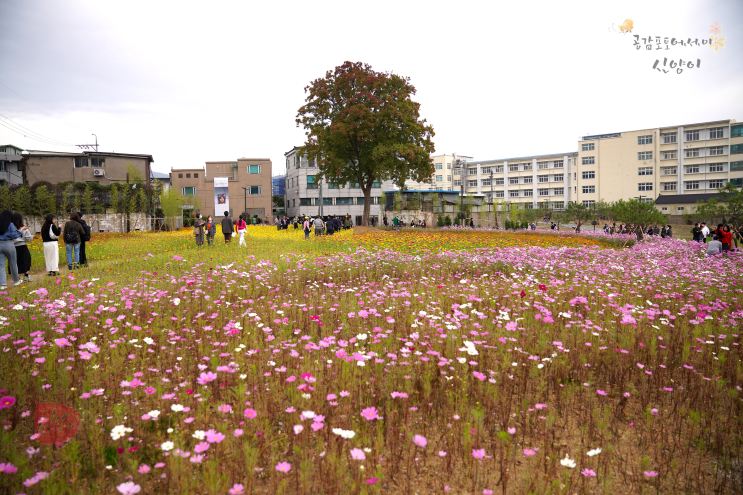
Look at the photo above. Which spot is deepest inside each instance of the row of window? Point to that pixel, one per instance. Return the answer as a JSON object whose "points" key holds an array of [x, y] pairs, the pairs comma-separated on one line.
{"points": [[92, 162], [312, 184], [672, 155], [252, 190], [374, 200], [515, 167], [525, 193], [696, 135]]}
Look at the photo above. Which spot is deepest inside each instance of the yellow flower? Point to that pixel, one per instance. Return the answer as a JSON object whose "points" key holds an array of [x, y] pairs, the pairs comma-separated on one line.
{"points": [[717, 43]]}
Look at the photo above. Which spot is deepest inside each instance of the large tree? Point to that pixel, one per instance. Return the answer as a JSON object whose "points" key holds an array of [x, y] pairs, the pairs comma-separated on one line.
{"points": [[362, 126]]}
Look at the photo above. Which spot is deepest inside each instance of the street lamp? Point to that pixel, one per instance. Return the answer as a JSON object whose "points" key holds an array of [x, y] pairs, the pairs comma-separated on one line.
{"points": [[460, 164], [491, 195]]}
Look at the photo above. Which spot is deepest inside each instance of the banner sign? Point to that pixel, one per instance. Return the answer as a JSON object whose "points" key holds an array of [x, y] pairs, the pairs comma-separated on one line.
{"points": [[221, 196]]}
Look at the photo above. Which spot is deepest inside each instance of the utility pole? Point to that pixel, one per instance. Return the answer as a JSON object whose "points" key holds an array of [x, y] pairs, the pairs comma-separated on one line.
{"points": [[460, 165], [245, 201], [492, 198], [319, 186], [96, 142]]}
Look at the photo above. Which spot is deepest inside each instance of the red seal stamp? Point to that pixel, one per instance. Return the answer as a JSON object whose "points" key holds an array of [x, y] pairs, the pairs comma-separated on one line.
{"points": [[55, 423]]}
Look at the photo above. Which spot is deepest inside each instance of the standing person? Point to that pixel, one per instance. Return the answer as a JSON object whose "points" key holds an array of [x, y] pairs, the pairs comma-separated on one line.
{"points": [[663, 232], [8, 233], [318, 226], [72, 233], [696, 233], [198, 230], [669, 232], [395, 221], [705, 231], [727, 238], [306, 228], [472, 223], [85, 238], [49, 236], [22, 254], [385, 220], [330, 225], [227, 228], [242, 226], [210, 230]]}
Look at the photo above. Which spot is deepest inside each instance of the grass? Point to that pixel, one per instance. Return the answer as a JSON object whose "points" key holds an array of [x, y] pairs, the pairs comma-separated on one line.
{"points": [[461, 360]]}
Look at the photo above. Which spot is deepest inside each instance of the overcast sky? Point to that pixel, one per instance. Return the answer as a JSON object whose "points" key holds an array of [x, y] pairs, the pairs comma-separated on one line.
{"points": [[189, 82]]}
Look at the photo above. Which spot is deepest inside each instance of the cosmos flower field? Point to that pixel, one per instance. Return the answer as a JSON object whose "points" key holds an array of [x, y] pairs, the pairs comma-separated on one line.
{"points": [[414, 362]]}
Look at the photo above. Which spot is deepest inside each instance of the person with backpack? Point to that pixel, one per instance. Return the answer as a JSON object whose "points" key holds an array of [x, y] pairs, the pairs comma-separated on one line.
{"points": [[319, 225], [85, 238], [8, 232], [241, 228], [72, 235], [306, 228], [49, 236], [22, 254]]}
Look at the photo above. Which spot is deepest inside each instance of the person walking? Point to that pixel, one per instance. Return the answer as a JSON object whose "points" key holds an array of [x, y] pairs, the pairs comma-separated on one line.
{"points": [[72, 235], [727, 238], [8, 232], [198, 230], [210, 229], [319, 225], [242, 226], [85, 238], [306, 228], [49, 236], [227, 228], [22, 254]]}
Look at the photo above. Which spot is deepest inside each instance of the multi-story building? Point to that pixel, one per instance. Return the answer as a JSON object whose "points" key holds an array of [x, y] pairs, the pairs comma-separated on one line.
{"points": [[243, 185], [303, 192], [85, 166], [10, 165], [692, 160], [443, 175], [527, 181]]}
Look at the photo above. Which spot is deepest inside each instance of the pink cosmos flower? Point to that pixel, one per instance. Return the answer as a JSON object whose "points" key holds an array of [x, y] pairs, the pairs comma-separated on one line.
{"points": [[600, 392], [512, 431], [128, 488], [283, 467], [442, 453], [236, 489], [588, 473], [479, 376], [7, 401], [224, 408], [7, 468], [420, 441], [358, 454], [370, 413], [650, 474], [331, 397], [317, 426], [478, 453], [250, 413], [150, 390], [213, 436], [371, 481], [541, 406], [143, 469], [654, 411], [529, 452], [238, 432], [196, 459], [201, 447], [298, 429], [206, 377], [344, 393]]}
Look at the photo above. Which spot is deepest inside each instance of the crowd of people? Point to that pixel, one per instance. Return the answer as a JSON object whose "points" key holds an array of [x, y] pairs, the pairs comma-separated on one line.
{"points": [[719, 240]]}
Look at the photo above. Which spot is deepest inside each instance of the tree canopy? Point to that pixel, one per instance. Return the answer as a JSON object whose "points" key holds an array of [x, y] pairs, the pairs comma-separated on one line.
{"points": [[362, 126]]}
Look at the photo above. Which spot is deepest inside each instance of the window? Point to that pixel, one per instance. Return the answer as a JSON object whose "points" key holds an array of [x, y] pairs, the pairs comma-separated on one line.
{"points": [[195, 176], [679, 208], [588, 203], [360, 200], [664, 208], [254, 190], [527, 166], [668, 186], [669, 155], [188, 176], [81, 162], [716, 184], [344, 201], [715, 133], [189, 191], [736, 131], [736, 148], [448, 178], [513, 194], [333, 186], [327, 201], [645, 171], [499, 182], [97, 162], [543, 178], [486, 170], [645, 155], [457, 182], [559, 191], [542, 165], [499, 194], [439, 166], [498, 169], [439, 178], [544, 192], [486, 182], [376, 185], [716, 167], [311, 184], [588, 160], [472, 171], [692, 169], [691, 184], [513, 180], [692, 135], [587, 147], [589, 175], [513, 168], [558, 164], [737, 182], [736, 166], [180, 176], [669, 138], [558, 178], [715, 150], [471, 183], [448, 166], [644, 139], [528, 192], [589, 189], [645, 186]]}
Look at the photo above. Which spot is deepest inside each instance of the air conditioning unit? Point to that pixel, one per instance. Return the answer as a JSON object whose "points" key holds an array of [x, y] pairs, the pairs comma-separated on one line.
{"points": [[99, 173]]}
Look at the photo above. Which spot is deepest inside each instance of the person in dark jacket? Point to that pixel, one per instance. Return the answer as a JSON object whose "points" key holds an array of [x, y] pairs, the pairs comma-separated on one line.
{"points": [[8, 233], [669, 232], [72, 233], [227, 227], [83, 240], [198, 230], [663, 232], [49, 236]]}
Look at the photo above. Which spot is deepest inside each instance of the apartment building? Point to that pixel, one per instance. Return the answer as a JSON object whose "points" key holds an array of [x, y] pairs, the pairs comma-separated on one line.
{"points": [[528, 181], [85, 166], [685, 160], [443, 175], [10, 165], [242, 185], [303, 192]]}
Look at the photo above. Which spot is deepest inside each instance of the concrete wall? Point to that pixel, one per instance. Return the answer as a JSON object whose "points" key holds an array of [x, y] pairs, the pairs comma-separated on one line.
{"points": [[56, 169], [106, 222]]}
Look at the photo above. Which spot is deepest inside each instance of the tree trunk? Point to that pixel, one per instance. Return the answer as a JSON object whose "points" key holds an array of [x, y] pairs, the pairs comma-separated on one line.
{"points": [[367, 206]]}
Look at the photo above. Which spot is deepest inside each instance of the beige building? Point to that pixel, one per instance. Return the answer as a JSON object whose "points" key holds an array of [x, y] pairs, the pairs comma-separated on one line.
{"points": [[235, 186], [690, 159], [443, 176], [86, 166]]}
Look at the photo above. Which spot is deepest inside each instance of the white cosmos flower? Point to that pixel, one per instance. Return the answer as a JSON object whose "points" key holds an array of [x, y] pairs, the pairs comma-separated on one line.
{"points": [[176, 408], [568, 462], [199, 435], [119, 431], [361, 336], [347, 434], [462, 360], [148, 340], [167, 446], [593, 452], [153, 414], [540, 366], [176, 301]]}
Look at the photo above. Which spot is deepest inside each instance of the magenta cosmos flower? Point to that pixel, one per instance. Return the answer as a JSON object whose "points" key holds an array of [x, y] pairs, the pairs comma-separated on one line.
{"points": [[370, 413], [420, 441], [6, 401]]}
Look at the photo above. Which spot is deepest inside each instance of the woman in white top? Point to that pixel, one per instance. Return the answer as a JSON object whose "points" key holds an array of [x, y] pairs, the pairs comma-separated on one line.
{"points": [[23, 255]]}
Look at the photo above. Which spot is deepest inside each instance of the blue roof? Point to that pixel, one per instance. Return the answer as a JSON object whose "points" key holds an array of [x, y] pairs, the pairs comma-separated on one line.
{"points": [[569, 153]]}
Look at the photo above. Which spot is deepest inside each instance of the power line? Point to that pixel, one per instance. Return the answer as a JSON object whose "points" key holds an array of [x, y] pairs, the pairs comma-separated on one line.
{"points": [[31, 137], [40, 109], [16, 124]]}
